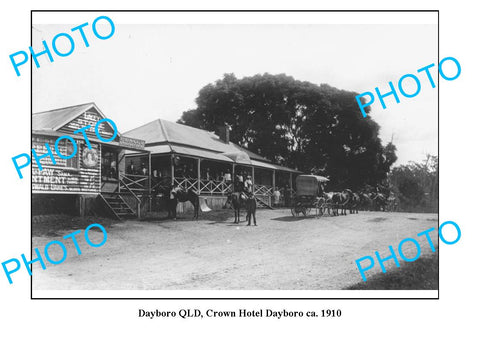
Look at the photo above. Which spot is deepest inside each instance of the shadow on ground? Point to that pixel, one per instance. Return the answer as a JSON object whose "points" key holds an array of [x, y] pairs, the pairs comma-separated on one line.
{"points": [[292, 218], [56, 225], [215, 216]]}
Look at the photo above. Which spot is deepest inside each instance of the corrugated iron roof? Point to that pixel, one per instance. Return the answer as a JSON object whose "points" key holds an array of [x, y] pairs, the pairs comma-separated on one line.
{"points": [[273, 166], [55, 119], [238, 157], [161, 131], [179, 138], [315, 177], [182, 150]]}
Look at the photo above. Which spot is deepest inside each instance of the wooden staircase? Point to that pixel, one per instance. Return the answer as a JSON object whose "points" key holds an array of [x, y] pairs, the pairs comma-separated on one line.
{"points": [[117, 205]]}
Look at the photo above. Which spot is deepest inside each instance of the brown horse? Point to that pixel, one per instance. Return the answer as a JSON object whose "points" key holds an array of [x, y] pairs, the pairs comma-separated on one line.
{"points": [[238, 199], [235, 200], [179, 194]]}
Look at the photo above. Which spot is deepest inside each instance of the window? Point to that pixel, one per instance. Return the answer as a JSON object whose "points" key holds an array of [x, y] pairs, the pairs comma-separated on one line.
{"points": [[109, 164], [74, 161]]}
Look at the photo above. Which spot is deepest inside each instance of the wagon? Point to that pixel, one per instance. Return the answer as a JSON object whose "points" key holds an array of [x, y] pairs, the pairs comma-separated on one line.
{"points": [[309, 196]]}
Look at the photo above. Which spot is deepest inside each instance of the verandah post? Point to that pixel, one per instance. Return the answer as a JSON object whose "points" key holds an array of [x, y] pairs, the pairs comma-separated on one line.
{"points": [[273, 181], [198, 175], [150, 181], [172, 168]]}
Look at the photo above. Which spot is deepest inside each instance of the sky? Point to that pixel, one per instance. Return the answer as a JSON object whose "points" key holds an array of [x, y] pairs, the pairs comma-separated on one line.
{"points": [[149, 71]]}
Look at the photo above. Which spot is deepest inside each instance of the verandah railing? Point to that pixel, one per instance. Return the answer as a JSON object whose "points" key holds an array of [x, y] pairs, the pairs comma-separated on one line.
{"points": [[212, 187], [263, 190], [139, 184], [207, 187]]}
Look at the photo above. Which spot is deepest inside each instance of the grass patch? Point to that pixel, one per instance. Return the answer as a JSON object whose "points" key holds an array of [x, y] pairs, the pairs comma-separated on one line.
{"points": [[421, 274]]}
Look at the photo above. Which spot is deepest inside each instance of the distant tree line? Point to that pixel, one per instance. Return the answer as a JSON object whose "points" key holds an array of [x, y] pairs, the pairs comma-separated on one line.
{"points": [[416, 185], [314, 128]]}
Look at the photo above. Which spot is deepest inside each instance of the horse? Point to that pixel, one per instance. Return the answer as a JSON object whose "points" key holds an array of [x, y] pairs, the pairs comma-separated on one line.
{"points": [[236, 199], [392, 203], [353, 201], [365, 202], [329, 199], [379, 201], [251, 206], [181, 195], [340, 199], [239, 199]]}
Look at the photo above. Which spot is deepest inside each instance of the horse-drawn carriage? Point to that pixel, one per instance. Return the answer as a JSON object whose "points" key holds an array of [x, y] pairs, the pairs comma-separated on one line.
{"points": [[309, 196]]}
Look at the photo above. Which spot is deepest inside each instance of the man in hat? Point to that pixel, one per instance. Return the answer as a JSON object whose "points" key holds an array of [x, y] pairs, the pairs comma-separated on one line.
{"points": [[131, 169]]}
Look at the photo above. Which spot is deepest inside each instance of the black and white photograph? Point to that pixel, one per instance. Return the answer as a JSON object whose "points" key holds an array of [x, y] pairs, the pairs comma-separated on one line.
{"points": [[235, 156], [239, 170]]}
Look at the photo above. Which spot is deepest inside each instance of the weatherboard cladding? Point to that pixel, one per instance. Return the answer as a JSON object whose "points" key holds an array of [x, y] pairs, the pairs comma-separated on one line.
{"points": [[76, 175]]}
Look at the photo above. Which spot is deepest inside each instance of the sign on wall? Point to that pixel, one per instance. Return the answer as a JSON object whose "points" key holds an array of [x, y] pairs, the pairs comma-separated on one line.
{"points": [[132, 143]]}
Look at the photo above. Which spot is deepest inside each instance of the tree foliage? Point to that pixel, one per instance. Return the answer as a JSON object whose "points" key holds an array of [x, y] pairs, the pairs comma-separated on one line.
{"points": [[416, 185], [314, 128]]}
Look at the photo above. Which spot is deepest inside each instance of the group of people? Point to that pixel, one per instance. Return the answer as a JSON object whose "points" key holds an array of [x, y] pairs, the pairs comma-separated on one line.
{"points": [[132, 170], [282, 196], [218, 176]]}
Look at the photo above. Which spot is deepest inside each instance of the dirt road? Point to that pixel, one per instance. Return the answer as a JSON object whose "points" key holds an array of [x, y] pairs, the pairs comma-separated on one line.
{"points": [[281, 253]]}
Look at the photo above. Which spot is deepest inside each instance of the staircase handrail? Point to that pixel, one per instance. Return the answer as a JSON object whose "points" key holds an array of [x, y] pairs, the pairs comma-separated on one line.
{"points": [[129, 190]]}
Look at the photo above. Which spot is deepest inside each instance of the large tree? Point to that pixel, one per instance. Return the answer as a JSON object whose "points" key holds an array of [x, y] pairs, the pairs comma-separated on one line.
{"points": [[314, 128]]}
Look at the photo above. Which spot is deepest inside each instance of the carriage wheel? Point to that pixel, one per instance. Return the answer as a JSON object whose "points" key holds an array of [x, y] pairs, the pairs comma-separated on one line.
{"points": [[306, 211], [297, 209]]}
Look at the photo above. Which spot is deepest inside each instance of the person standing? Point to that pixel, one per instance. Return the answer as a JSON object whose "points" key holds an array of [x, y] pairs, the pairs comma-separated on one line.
{"points": [[131, 169], [276, 197], [240, 180], [144, 170], [240, 184], [249, 186], [228, 177], [207, 174]]}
